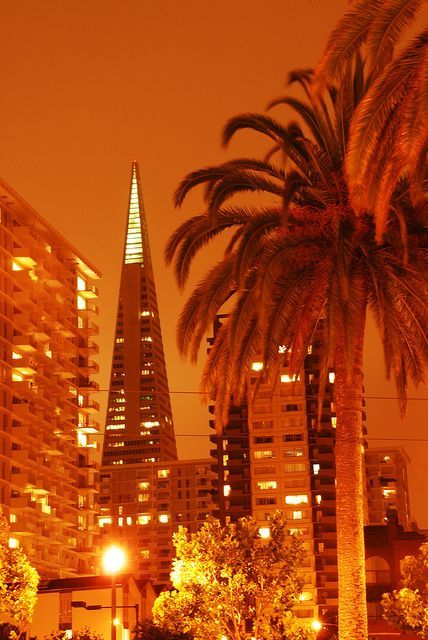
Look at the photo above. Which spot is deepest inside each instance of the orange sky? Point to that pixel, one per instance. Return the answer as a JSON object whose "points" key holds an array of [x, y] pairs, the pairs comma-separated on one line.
{"points": [[89, 86]]}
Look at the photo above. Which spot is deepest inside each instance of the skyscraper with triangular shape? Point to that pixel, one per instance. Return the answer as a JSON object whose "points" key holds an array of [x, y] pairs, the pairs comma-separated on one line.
{"points": [[139, 425]]}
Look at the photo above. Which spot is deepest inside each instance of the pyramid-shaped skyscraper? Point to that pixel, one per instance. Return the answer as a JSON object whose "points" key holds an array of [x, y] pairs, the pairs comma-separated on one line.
{"points": [[139, 425]]}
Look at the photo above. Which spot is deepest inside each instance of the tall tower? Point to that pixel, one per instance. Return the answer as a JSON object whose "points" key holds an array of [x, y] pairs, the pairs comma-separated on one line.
{"points": [[139, 424], [139, 431]]}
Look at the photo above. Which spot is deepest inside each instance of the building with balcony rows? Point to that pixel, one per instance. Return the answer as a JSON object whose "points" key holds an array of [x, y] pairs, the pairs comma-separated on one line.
{"points": [[48, 427]]}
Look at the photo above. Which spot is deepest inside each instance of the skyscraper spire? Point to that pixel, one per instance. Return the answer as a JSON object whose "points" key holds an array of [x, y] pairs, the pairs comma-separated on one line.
{"points": [[134, 235], [139, 425]]}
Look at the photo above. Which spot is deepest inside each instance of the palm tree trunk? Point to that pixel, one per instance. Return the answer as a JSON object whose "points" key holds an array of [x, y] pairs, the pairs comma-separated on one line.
{"points": [[349, 486]]}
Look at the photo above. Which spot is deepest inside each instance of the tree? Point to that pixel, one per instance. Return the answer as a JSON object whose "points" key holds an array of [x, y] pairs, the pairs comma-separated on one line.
{"points": [[231, 582], [80, 634], [18, 582], [148, 630], [407, 607], [302, 263], [389, 131]]}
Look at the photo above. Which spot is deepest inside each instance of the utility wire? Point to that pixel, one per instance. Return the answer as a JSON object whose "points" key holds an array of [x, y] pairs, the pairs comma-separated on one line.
{"points": [[273, 395]]}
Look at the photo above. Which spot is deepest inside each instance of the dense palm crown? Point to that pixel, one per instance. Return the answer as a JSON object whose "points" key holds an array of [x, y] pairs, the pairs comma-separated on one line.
{"points": [[299, 261], [389, 133]]}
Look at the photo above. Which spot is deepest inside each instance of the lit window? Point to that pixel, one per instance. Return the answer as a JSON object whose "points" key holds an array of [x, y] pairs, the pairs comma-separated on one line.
{"points": [[295, 467], [16, 356], [120, 521], [13, 517], [333, 422], [16, 266], [285, 377], [144, 485], [386, 459], [146, 339], [310, 349], [267, 484], [145, 554], [257, 366], [226, 490], [316, 468], [163, 473], [260, 455], [17, 377], [120, 340], [13, 543], [143, 497], [149, 424], [296, 499], [331, 377], [388, 492], [103, 521], [293, 453], [128, 520], [144, 518], [81, 302], [297, 515], [163, 518], [143, 314], [318, 498], [264, 532], [305, 595]]}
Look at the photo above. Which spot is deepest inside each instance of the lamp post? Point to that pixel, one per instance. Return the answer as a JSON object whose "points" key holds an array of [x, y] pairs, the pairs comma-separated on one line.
{"points": [[113, 561]]}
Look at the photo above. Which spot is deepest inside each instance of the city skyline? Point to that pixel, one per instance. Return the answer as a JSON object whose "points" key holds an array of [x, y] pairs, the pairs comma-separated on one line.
{"points": [[94, 88]]}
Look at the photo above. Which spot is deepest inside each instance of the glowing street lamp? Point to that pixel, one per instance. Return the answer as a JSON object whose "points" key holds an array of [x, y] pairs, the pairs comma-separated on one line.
{"points": [[316, 625], [113, 561]]}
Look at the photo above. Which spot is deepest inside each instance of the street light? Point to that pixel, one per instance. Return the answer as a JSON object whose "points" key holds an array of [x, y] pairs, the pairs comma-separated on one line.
{"points": [[113, 561]]}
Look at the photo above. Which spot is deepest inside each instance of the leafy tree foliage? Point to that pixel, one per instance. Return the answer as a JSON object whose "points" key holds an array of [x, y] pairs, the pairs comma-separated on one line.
{"points": [[80, 634], [148, 630], [231, 582], [303, 265], [389, 131], [18, 581], [407, 607]]}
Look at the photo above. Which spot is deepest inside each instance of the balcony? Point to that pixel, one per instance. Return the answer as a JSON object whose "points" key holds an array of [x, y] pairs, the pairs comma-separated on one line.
{"points": [[88, 293], [91, 309], [25, 366], [25, 343], [90, 368], [84, 384]]}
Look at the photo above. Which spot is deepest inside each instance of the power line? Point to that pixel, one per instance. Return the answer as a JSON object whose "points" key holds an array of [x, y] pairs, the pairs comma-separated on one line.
{"points": [[273, 395]]}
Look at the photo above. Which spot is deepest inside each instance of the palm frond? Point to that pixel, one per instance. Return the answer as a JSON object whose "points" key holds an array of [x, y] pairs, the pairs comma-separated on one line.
{"points": [[256, 122], [318, 126], [387, 28], [344, 41], [376, 107], [203, 305], [188, 240], [240, 182]]}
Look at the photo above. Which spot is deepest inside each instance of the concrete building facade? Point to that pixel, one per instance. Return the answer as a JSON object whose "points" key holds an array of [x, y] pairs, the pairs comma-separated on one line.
{"points": [[48, 430], [154, 500], [387, 485]]}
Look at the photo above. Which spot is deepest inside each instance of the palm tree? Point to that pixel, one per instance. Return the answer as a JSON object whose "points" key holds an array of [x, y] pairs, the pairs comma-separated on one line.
{"points": [[389, 132], [299, 261]]}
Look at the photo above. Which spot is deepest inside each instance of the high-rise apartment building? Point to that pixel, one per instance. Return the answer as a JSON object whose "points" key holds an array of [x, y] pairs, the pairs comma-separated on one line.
{"points": [[47, 428], [387, 486], [139, 421], [286, 462]]}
